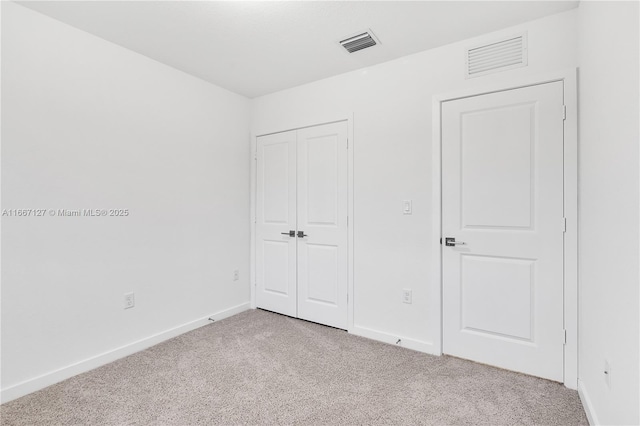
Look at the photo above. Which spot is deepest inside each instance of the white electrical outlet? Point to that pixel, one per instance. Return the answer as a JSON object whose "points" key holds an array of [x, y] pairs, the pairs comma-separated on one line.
{"points": [[607, 373], [129, 300], [406, 295], [236, 275]]}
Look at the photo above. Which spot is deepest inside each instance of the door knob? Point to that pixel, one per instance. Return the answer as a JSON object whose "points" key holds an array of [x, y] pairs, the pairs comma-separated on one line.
{"points": [[451, 242], [290, 233], [301, 234]]}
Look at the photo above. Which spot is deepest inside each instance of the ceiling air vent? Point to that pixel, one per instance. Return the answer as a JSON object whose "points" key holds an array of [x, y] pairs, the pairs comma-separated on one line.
{"points": [[360, 41], [497, 56]]}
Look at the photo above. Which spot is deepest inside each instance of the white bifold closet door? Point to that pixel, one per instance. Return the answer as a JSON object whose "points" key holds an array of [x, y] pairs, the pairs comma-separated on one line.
{"points": [[301, 223]]}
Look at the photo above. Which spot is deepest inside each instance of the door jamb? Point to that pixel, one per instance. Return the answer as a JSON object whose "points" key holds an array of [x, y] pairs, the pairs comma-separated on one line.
{"points": [[350, 228], [569, 79]]}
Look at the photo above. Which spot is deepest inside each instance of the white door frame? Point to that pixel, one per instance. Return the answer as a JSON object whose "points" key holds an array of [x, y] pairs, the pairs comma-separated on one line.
{"points": [[350, 227], [569, 79]]}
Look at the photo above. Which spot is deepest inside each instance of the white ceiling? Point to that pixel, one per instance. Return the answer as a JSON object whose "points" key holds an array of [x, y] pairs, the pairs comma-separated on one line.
{"points": [[259, 47]]}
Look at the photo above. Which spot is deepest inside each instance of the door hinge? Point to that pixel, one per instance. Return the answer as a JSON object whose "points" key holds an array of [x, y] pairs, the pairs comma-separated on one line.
{"points": [[347, 143], [564, 224], [564, 337], [564, 112], [347, 297], [440, 241]]}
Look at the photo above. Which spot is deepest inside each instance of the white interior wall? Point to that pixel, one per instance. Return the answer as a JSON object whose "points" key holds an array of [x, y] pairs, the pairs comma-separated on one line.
{"points": [[88, 124], [609, 186], [391, 106], [153, 144]]}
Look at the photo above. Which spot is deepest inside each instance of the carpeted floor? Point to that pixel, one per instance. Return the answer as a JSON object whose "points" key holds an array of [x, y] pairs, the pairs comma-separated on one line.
{"points": [[263, 368]]}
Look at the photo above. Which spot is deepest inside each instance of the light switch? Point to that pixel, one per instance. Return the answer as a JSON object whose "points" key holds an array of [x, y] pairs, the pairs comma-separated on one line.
{"points": [[406, 207]]}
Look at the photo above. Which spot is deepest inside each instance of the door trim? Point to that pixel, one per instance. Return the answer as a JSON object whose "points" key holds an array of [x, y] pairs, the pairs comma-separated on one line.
{"points": [[350, 151], [569, 79]]}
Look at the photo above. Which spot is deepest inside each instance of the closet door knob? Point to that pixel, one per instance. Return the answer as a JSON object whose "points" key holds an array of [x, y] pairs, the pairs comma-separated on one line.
{"points": [[301, 234], [290, 233]]}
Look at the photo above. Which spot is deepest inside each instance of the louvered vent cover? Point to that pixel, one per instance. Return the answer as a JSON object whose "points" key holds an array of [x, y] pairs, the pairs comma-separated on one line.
{"points": [[360, 41], [501, 55]]}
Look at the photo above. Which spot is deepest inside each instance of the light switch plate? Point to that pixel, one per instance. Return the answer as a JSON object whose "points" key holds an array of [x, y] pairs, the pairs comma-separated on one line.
{"points": [[406, 207]]}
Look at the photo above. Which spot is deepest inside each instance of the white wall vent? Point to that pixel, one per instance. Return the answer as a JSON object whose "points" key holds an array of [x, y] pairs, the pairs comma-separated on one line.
{"points": [[359, 41], [501, 55]]}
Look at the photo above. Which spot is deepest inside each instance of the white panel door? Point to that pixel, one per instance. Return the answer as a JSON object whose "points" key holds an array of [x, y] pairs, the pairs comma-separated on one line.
{"points": [[502, 196], [322, 224], [275, 219]]}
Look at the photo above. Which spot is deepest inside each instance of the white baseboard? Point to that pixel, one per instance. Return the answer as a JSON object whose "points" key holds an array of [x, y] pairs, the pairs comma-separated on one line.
{"points": [[405, 342], [48, 379], [586, 403]]}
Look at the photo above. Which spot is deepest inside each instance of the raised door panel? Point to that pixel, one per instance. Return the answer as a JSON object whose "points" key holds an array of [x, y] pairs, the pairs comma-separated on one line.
{"points": [[275, 185], [276, 265], [497, 180], [496, 296], [322, 280], [320, 195]]}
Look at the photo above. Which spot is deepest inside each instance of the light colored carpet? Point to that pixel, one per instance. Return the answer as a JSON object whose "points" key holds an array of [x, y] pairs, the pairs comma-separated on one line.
{"points": [[263, 368]]}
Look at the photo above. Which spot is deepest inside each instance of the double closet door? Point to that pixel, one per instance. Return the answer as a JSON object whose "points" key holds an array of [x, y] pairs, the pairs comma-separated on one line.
{"points": [[301, 223]]}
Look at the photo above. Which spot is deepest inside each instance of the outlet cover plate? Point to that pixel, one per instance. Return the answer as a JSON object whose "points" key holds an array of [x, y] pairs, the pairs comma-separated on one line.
{"points": [[407, 295], [129, 300]]}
